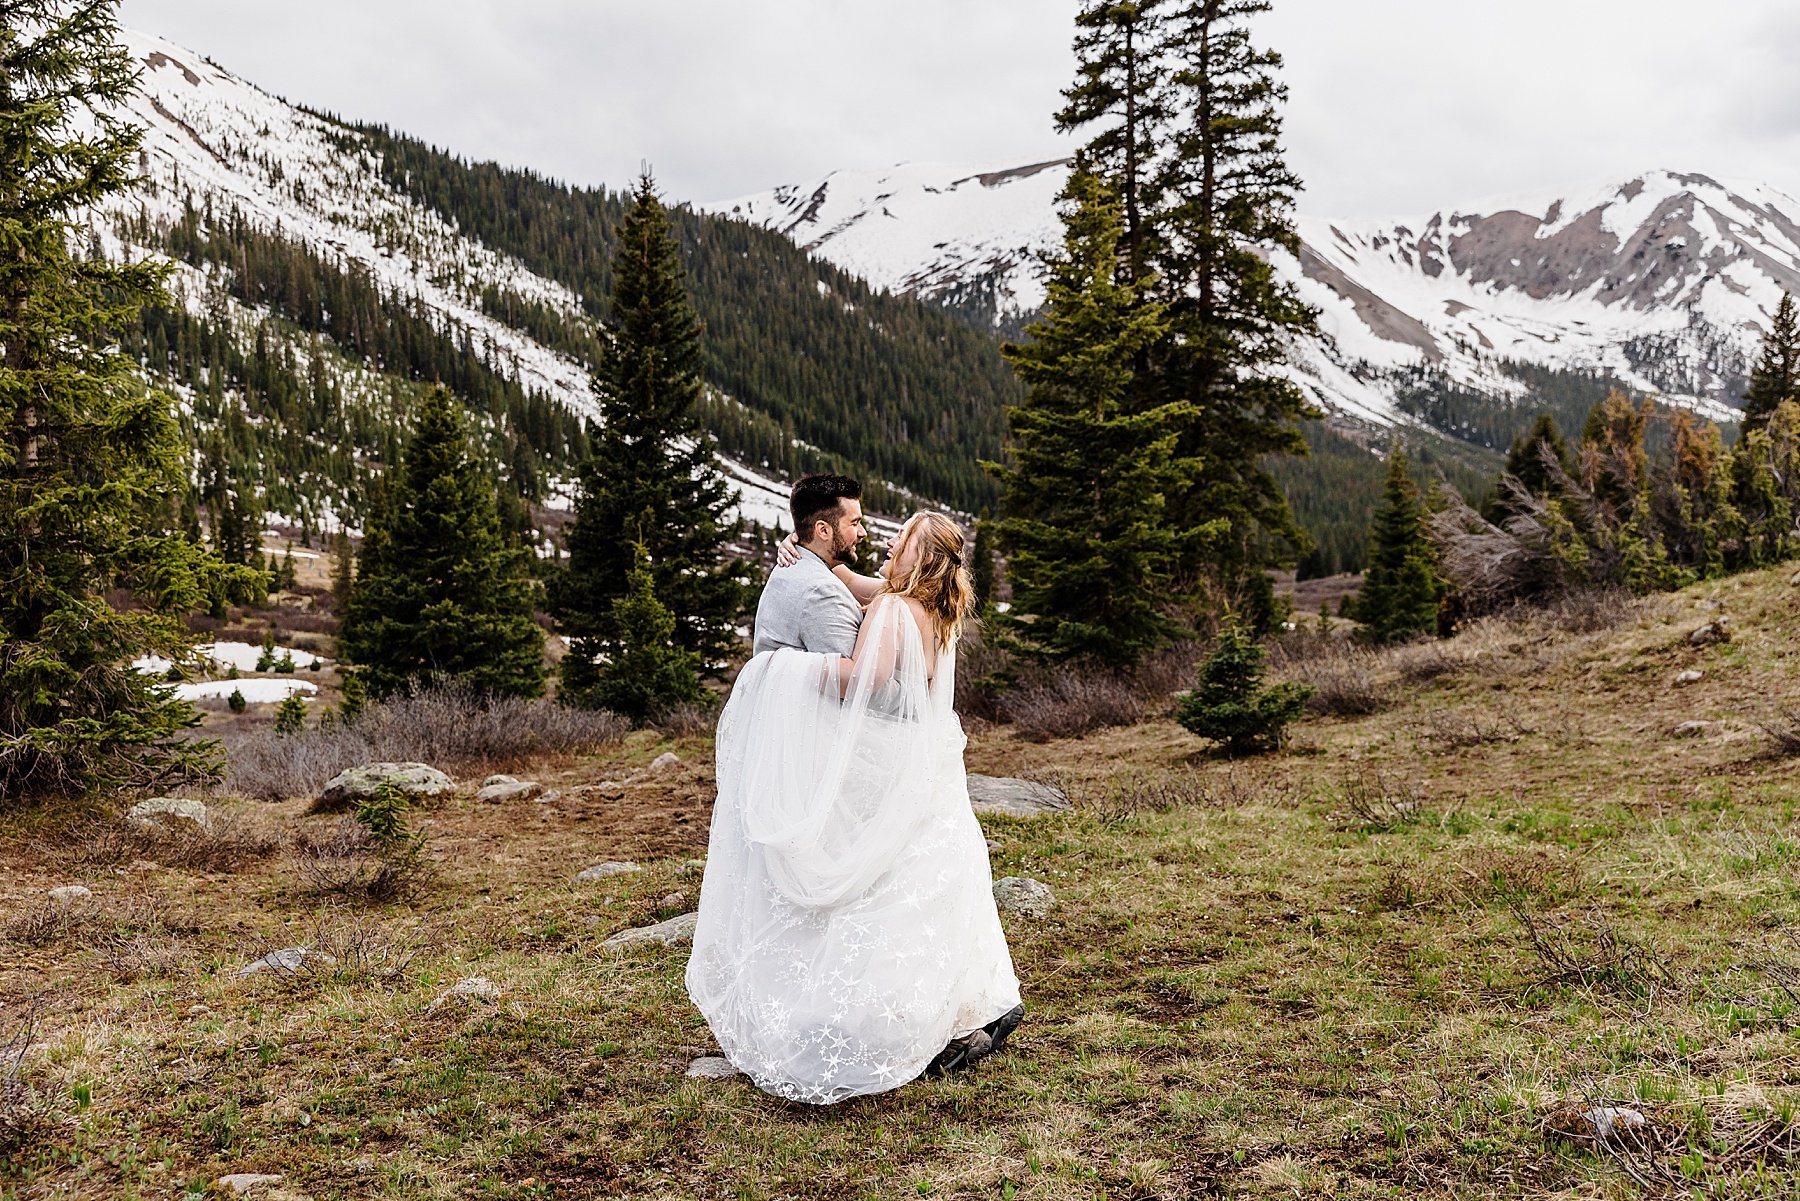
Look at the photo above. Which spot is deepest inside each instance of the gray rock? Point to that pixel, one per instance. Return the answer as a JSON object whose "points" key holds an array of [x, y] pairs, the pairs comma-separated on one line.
{"points": [[239, 1183], [419, 781], [665, 761], [1014, 798], [993, 847], [1714, 631], [170, 814], [601, 871], [675, 900], [555, 794], [469, 990], [495, 789], [711, 1067], [289, 961], [1794, 580], [1023, 896], [1690, 677], [1690, 729], [68, 894], [1608, 1122], [676, 932]]}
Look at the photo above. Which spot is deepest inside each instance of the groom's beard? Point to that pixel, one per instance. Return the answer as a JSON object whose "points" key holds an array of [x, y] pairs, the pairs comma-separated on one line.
{"points": [[843, 551]]}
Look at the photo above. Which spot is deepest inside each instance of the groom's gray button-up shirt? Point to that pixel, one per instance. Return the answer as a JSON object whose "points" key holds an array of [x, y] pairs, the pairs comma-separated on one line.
{"points": [[807, 608]]}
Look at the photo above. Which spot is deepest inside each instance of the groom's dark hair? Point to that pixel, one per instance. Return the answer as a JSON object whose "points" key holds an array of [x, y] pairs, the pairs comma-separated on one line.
{"points": [[820, 497]]}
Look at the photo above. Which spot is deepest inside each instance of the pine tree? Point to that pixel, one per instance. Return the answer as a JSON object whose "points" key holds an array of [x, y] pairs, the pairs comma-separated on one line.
{"points": [[1777, 374], [1227, 200], [290, 715], [356, 698], [651, 476], [645, 673], [982, 571], [1400, 591], [236, 702], [1088, 549], [1120, 87], [92, 466], [1229, 703], [341, 570], [439, 596], [1525, 462]]}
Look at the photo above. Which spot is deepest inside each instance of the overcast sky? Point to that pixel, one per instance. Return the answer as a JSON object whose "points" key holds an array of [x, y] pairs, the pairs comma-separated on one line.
{"points": [[1397, 106]]}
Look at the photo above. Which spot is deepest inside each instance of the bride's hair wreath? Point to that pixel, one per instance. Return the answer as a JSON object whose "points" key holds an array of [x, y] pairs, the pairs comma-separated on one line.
{"points": [[939, 580]]}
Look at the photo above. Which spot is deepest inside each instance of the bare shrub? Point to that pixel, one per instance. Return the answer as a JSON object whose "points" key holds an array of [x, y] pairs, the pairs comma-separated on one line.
{"points": [[1461, 729], [349, 950], [689, 721], [370, 856], [1591, 953], [1342, 686], [235, 843], [1782, 729], [140, 956], [1375, 801], [981, 669], [1067, 703], [46, 921], [1138, 792], [1402, 887], [1425, 661], [23, 1111], [446, 726], [1591, 611], [1524, 872]]}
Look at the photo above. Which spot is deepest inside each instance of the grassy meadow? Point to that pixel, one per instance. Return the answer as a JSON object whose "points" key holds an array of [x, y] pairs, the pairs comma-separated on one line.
{"points": [[1488, 893]]}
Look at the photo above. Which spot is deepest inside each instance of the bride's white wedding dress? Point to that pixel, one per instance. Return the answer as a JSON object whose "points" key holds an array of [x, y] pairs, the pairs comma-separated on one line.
{"points": [[847, 928]]}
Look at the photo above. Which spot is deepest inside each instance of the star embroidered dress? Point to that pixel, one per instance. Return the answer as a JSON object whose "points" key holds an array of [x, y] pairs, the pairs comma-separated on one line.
{"points": [[847, 928]]}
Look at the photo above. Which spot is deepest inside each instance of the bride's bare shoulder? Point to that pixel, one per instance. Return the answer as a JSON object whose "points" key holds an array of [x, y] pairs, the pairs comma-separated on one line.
{"points": [[913, 608]]}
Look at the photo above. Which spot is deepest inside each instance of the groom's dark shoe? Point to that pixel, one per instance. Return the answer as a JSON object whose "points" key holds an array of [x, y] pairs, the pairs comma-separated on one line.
{"points": [[1002, 1026], [961, 1053]]}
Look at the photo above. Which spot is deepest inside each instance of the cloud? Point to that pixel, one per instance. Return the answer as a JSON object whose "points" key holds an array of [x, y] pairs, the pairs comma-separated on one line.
{"points": [[1397, 106]]}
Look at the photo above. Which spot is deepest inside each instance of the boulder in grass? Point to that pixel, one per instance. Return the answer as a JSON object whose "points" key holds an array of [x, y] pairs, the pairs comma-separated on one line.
{"points": [[471, 990], [665, 761], [496, 789], [68, 894], [1690, 729], [1691, 676], [171, 815], [711, 1067], [1794, 580], [1014, 798], [239, 1184], [289, 961], [601, 871], [1712, 633], [1022, 896], [419, 781], [676, 932]]}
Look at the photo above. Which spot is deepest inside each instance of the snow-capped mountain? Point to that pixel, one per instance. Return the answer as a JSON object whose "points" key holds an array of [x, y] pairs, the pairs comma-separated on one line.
{"points": [[1666, 281], [218, 142]]}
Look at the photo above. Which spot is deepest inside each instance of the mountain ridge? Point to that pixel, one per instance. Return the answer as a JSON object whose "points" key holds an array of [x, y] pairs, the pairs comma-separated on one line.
{"points": [[1664, 280]]}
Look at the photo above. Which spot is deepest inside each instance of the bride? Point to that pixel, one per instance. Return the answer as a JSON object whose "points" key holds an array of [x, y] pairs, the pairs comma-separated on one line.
{"points": [[847, 939]]}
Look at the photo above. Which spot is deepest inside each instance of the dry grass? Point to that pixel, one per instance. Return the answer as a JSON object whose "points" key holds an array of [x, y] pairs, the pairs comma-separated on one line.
{"points": [[445, 727], [1305, 975]]}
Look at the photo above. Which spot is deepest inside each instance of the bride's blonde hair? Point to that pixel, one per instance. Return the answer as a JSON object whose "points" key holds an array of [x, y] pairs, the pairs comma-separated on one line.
{"points": [[938, 580]]}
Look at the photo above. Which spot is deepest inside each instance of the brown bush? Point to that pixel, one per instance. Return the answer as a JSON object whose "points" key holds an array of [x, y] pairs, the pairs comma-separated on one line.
{"points": [[1067, 703], [23, 1110], [236, 843], [446, 726], [346, 860], [1782, 728], [689, 721]]}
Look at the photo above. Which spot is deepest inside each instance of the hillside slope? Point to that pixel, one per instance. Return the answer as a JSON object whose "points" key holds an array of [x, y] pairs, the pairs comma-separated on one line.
{"points": [[1403, 958], [326, 273]]}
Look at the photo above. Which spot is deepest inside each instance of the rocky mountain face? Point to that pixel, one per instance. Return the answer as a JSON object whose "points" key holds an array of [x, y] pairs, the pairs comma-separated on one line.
{"points": [[1665, 281]]}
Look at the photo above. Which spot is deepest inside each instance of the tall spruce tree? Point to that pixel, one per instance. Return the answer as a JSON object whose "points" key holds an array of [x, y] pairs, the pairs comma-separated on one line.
{"points": [[92, 466], [1400, 591], [439, 595], [1776, 376], [1118, 97], [1089, 549], [650, 477], [1227, 199]]}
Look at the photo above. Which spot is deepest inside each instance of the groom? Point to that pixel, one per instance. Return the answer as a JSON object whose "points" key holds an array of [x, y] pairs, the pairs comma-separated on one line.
{"points": [[805, 606]]}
